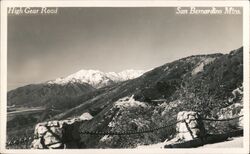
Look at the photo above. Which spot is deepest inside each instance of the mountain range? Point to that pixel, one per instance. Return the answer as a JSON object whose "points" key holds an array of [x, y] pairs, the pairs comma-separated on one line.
{"points": [[66, 88]]}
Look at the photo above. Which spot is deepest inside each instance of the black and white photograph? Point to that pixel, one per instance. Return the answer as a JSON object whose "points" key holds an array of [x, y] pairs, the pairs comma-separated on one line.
{"points": [[125, 76]]}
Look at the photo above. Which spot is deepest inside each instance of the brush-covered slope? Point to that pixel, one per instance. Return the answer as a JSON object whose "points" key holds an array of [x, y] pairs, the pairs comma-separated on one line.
{"points": [[202, 83], [46, 94]]}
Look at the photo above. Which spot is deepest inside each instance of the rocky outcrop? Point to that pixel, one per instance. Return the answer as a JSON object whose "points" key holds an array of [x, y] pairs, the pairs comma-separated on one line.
{"points": [[237, 95], [130, 116], [232, 111], [200, 66], [58, 134]]}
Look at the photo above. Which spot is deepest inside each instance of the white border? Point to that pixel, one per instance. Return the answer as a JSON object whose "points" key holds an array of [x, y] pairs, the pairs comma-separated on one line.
{"points": [[5, 4]]}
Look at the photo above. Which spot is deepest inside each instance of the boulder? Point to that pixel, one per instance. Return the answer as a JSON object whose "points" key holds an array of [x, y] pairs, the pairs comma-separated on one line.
{"points": [[36, 144], [232, 111]]}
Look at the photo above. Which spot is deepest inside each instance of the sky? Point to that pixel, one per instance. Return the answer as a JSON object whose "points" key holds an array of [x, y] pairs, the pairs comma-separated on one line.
{"points": [[45, 47]]}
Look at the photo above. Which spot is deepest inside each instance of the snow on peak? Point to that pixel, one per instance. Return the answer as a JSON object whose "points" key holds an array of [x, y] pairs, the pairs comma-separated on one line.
{"points": [[125, 75], [97, 78], [130, 74]]}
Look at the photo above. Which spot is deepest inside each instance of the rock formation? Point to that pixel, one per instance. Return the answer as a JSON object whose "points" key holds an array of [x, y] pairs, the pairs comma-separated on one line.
{"points": [[58, 134], [190, 127]]}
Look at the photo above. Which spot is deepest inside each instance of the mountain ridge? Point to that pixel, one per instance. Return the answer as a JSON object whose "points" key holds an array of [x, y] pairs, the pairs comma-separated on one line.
{"points": [[96, 78], [67, 88]]}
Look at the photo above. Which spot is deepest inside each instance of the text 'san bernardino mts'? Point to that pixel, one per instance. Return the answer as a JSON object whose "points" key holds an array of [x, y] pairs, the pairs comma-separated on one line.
{"points": [[208, 11], [32, 10]]}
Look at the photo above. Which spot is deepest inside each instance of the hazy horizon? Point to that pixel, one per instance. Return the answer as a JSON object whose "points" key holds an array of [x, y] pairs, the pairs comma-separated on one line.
{"points": [[45, 47]]}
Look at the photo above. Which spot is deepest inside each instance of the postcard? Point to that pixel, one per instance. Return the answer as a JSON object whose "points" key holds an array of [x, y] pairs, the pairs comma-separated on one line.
{"points": [[125, 76]]}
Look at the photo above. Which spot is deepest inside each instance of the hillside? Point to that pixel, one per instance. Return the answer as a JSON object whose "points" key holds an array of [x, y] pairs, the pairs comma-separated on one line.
{"points": [[46, 94], [202, 83]]}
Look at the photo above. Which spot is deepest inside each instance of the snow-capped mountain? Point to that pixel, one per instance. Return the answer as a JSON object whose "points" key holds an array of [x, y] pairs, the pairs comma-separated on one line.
{"points": [[125, 75], [98, 79]]}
